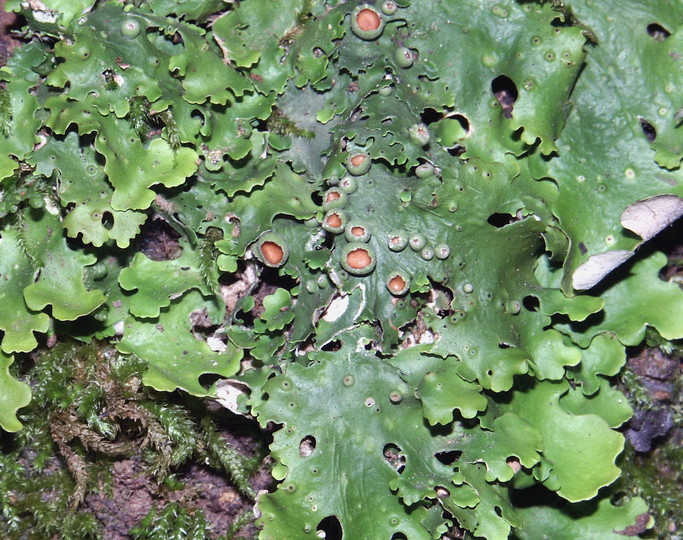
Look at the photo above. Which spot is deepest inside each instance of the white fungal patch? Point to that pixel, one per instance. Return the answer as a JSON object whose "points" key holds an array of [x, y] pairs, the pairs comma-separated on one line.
{"points": [[426, 338], [41, 12], [337, 308], [118, 328], [216, 344], [340, 304], [228, 392], [646, 218], [51, 206]]}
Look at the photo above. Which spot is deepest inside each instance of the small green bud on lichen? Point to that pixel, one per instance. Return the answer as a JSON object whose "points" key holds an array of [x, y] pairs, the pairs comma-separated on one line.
{"points": [[130, 28], [417, 241], [442, 251], [513, 307], [348, 184], [419, 134], [427, 253], [397, 241], [311, 286], [404, 57], [323, 281], [386, 90], [389, 7], [424, 170]]}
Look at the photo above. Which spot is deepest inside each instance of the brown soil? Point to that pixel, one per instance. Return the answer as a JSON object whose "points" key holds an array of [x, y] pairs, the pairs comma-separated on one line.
{"points": [[134, 493], [657, 375], [159, 241]]}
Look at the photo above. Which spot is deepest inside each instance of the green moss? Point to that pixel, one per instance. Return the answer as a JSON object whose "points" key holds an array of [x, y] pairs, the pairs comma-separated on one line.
{"points": [[139, 114], [657, 477], [172, 522], [90, 409], [5, 112], [279, 123]]}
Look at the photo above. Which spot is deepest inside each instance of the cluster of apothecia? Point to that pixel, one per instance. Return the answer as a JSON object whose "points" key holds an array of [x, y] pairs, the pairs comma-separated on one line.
{"points": [[358, 257]]}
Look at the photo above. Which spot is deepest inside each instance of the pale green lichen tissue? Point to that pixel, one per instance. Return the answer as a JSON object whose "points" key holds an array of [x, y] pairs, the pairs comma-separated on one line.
{"points": [[425, 177]]}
